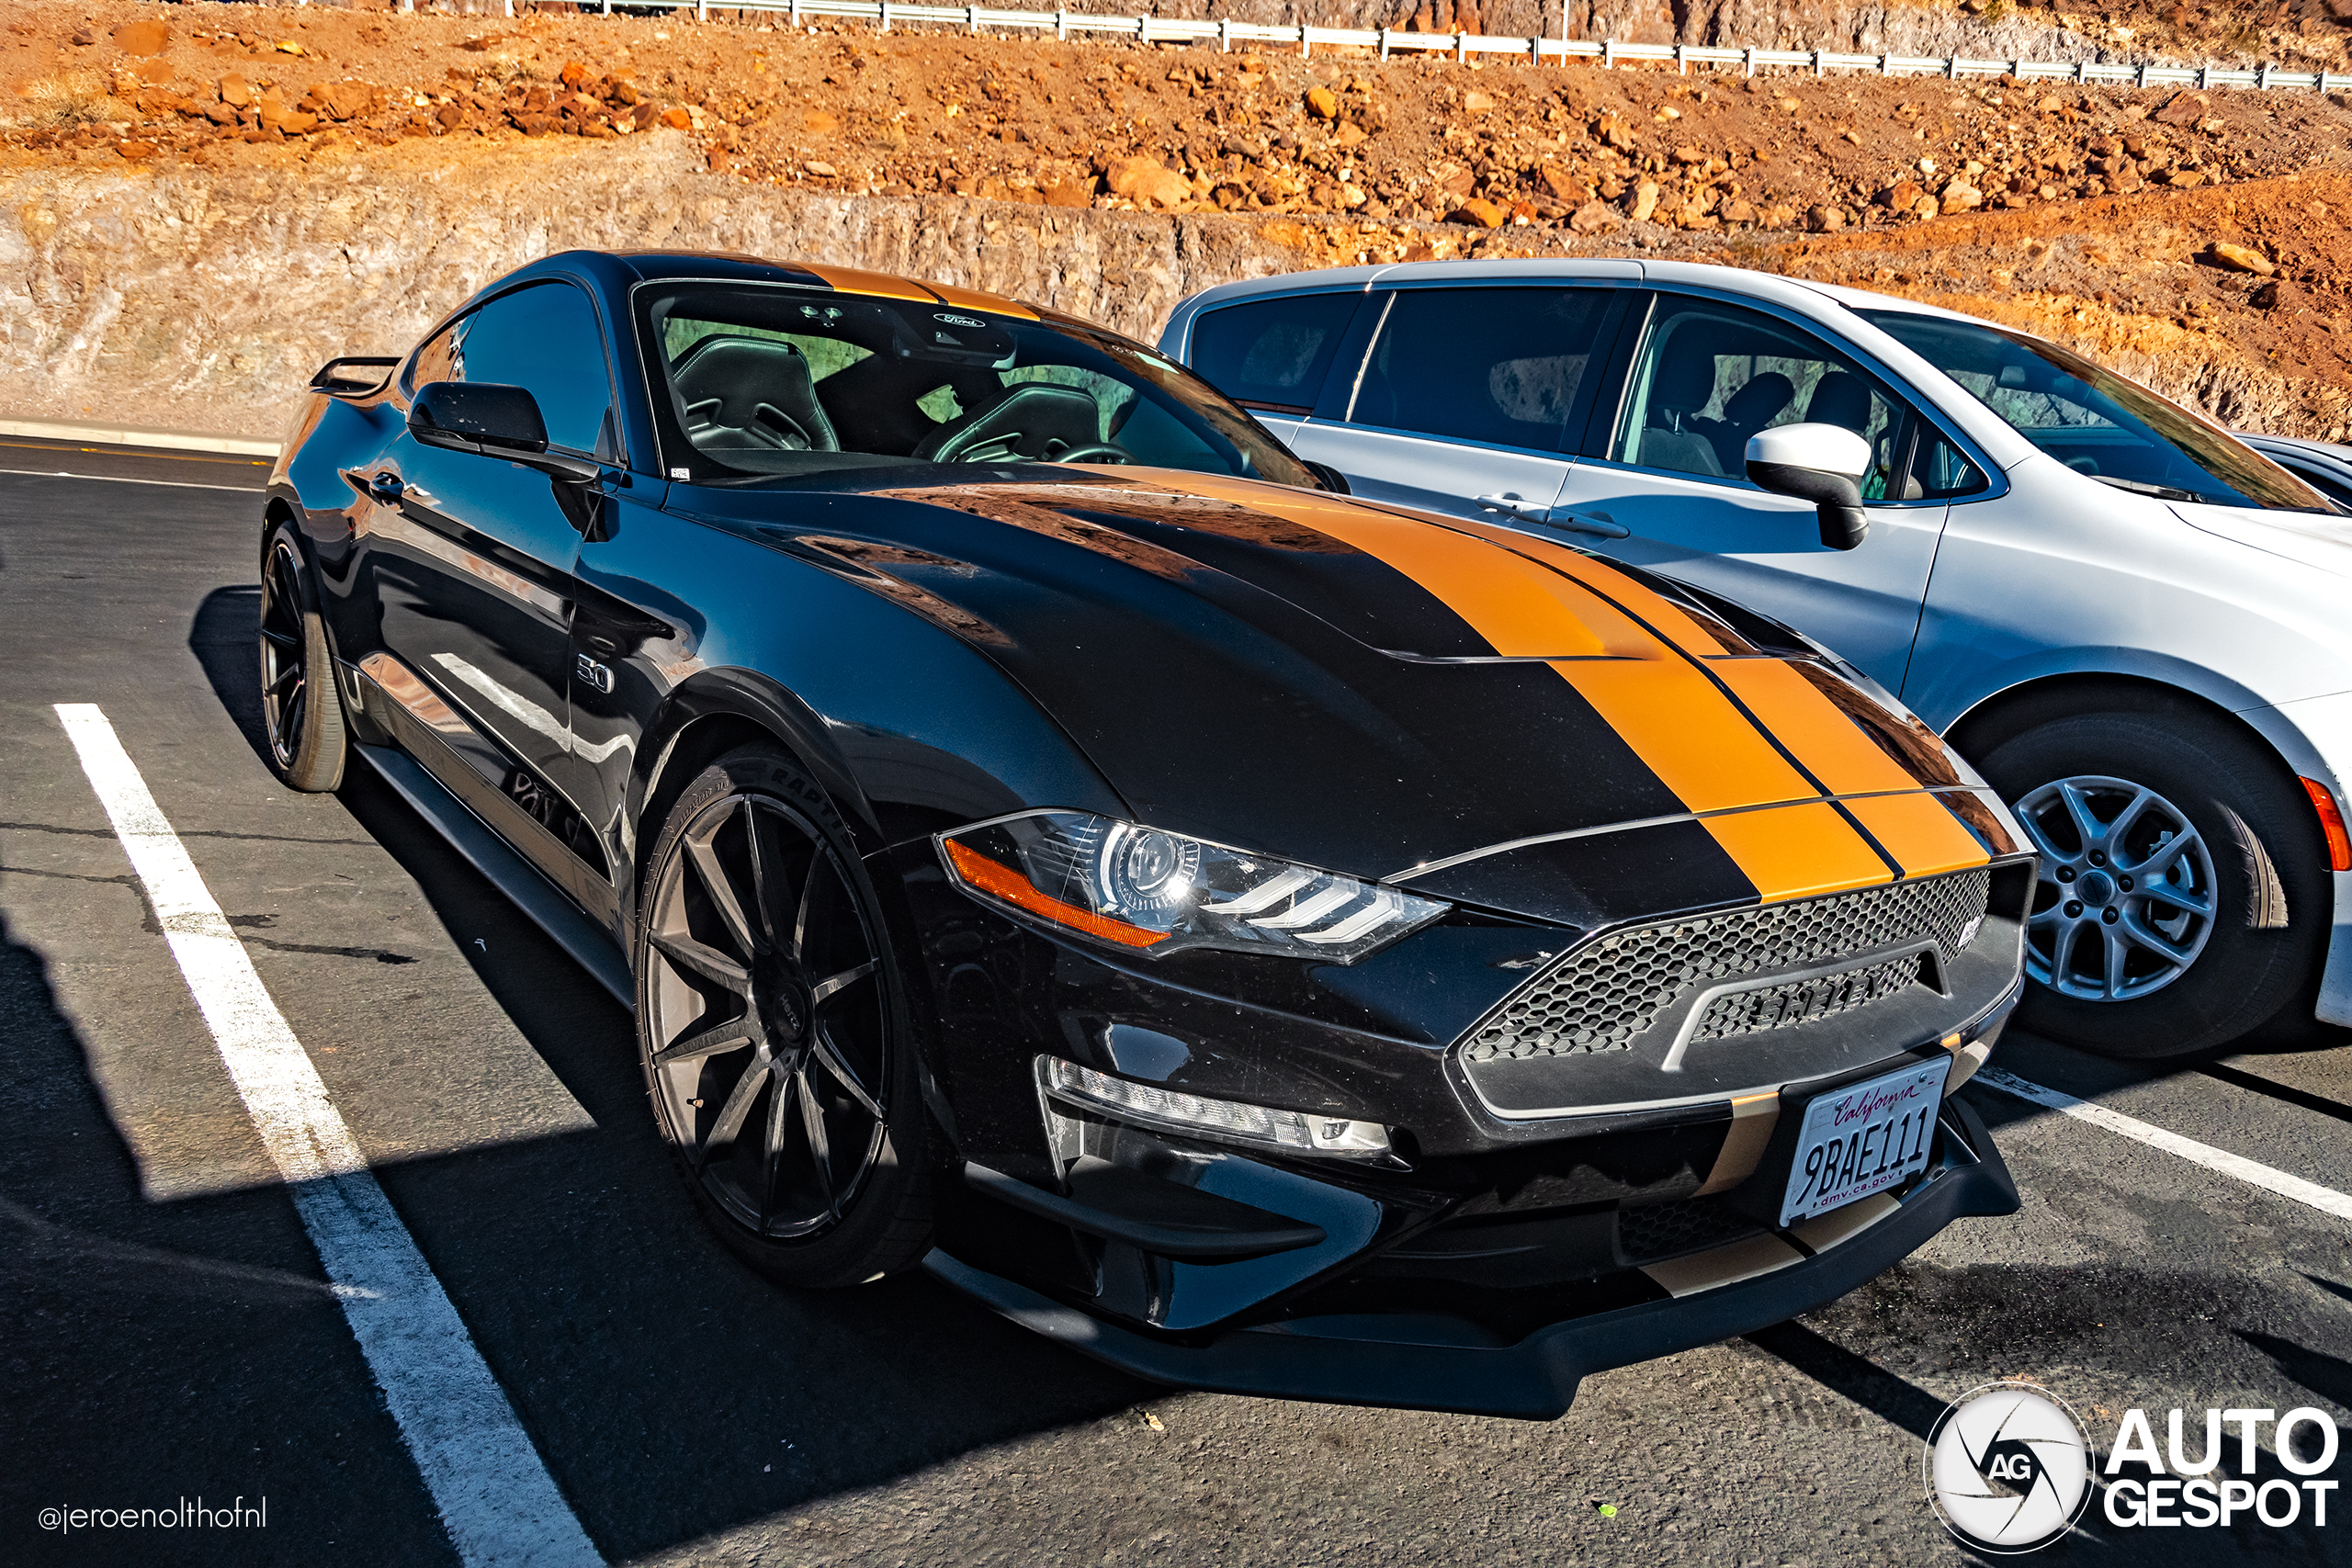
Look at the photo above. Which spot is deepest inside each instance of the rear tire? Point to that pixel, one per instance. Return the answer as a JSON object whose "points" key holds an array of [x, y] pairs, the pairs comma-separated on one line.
{"points": [[770, 1028], [2184, 900], [301, 712]]}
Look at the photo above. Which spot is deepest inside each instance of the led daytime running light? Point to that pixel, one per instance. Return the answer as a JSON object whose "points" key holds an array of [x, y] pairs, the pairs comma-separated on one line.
{"points": [[1225, 1118]]}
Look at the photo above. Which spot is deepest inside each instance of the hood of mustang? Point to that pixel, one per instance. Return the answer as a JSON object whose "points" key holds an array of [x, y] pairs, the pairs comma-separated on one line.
{"points": [[1384, 693]]}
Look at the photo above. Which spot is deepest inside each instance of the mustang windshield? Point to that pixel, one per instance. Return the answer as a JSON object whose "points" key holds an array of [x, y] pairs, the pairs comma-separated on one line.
{"points": [[2094, 420], [775, 380]]}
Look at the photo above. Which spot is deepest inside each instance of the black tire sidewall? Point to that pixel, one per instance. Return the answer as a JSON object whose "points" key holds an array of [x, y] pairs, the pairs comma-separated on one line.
{"points": [[888, 1225], [320, 751], [2247, 976]]}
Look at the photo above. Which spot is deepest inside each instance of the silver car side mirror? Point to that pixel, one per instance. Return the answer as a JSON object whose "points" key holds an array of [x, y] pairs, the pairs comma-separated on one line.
{"points": [[1820, 463]]}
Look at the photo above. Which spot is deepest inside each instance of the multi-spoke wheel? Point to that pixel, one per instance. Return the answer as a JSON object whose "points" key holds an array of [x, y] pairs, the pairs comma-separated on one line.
{"points": [[2126, 897], [300, 710], [2184, 893], [768, 1025]]}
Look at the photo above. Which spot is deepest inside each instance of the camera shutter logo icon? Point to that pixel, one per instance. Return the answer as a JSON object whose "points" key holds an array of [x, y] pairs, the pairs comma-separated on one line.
{"points": [[2008, 1467]]}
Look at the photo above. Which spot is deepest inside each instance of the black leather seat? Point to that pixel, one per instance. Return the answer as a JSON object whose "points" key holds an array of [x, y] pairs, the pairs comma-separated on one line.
{"points": [[1035, 422], [740, 391], [1683, 383], [1840, 397], [1747, 411]]}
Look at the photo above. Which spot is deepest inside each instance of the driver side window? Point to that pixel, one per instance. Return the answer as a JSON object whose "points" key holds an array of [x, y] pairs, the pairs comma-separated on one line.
{"points": [[1709, 376]]}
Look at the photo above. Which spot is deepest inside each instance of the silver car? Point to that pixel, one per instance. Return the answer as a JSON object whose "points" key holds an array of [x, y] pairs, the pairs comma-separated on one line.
{"points": [[2132, 622]]}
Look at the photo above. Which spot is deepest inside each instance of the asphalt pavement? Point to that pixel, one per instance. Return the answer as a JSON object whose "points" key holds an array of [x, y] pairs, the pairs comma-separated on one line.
{"points": [[168, 1330]]}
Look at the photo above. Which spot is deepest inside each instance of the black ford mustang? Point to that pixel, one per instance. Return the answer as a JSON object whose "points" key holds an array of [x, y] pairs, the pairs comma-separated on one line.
{"points": [[1046, 833]]}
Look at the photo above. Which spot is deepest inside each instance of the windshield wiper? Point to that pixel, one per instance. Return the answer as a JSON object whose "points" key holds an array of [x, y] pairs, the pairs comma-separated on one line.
{"points": [[2162, 492]]}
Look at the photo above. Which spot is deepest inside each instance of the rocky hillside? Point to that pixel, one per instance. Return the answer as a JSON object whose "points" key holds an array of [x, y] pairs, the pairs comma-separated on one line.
{"points": [[205, 200]]}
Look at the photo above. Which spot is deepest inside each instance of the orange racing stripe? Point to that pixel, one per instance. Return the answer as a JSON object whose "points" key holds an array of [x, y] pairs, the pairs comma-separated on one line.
{"points": [[1919, 830], [1681, 725], [857, 280]]}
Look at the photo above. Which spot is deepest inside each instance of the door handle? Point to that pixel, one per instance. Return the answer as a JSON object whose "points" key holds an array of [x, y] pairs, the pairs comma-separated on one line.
{"points": [[387, 488], [1517, 506], [1599, 526]]}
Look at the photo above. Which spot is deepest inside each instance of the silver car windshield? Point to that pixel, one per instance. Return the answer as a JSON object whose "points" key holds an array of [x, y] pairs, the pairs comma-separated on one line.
{"points": [[2096, 422]]}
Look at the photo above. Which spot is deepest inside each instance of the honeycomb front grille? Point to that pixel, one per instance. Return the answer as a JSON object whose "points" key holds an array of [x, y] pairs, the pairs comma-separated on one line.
{"points": [[1606, 994]]}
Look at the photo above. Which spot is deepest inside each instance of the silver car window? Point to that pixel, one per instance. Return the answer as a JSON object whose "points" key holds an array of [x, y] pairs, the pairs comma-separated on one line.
{"points": [[1273, 353], [1709, 376], [1497, 366], [2095, 421]]}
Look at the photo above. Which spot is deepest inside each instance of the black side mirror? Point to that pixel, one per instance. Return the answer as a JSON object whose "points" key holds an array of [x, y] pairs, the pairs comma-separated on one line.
{"points": [[491, 420], [1820, 463]]}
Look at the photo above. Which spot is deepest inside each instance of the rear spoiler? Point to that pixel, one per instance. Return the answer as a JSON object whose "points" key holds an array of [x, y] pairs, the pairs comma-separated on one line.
{"points": [[337, 382]]}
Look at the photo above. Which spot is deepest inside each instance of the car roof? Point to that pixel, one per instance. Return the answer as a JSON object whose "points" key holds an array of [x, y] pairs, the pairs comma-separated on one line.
{"points": [[2301, 443], [1705, 275], [733, 265]]}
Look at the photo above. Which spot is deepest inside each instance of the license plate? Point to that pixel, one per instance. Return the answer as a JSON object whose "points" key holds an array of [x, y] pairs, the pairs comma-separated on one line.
{"points": [[1864, 1139]]}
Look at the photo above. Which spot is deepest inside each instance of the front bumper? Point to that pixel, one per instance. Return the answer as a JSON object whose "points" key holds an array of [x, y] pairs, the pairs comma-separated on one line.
{"points": [[1422, 1361]]}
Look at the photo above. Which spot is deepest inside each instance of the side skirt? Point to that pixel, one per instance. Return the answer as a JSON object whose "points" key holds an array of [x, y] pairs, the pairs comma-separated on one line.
{"points": [[553, 913]]}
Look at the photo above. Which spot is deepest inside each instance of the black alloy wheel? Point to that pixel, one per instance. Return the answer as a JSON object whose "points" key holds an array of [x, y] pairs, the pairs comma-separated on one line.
{"points": [[2184, 899], [769, 1029], [300, 710]]}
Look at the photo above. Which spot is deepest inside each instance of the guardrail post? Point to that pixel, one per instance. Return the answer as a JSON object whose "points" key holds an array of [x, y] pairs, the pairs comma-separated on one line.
{"points": [[1461, 48], [1384, 43], [1061, 26], [1224, 37], [886, 15], [795, 15], [1748, 62], [1887, 65], [608, 6], [1682, 66], [1534, 52], [2205, 75], [702, 9], [1609, 54], [1143, 28], [2141, 81], [972, 19], [2262, 77], [1305, 44], [1818, 68]]}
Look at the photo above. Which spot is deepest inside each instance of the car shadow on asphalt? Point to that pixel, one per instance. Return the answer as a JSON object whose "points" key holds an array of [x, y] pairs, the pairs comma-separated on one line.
{"points": [[224, 634], [164, 1351], [673, 1392], [1903, 1404]]}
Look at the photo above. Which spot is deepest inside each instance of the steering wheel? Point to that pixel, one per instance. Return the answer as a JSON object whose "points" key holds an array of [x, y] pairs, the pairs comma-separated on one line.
{"points": [[1095, 452]]}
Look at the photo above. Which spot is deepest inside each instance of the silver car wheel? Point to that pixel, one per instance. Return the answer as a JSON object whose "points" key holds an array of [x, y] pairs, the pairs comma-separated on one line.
{"points": [[2126, 897]]}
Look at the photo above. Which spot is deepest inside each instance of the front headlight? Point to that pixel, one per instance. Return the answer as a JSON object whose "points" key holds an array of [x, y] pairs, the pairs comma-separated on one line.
{"points": [[1159, 893]]}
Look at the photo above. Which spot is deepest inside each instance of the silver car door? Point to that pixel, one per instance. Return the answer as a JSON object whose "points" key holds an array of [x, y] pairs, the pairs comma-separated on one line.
{"points": [[1667, 488], [1462, 402]]}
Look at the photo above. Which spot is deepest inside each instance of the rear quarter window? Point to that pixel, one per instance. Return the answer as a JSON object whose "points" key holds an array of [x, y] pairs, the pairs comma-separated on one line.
{"points": [[1273, 353]]}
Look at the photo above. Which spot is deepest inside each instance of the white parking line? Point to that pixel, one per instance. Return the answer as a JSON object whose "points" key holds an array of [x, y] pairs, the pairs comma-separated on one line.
{"points": [[2326, 1200], [496, 1499], [119, 479]]}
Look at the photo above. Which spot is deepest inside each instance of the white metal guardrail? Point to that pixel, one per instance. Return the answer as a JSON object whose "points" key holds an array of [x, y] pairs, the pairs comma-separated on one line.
{"points": [[1390, 41]]}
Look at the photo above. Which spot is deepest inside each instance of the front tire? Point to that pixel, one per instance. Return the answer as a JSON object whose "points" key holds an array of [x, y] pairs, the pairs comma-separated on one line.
{"points": [[300, 712], [770, 1029], [2184, 899]]}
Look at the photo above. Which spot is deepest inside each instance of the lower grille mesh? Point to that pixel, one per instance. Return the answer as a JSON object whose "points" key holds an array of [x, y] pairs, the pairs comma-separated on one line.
{"points": [[1669, 1230], [1803, 1001], [1604, 995]]}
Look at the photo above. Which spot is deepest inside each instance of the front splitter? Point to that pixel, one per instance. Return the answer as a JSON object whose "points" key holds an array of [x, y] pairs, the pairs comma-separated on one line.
{"points": [[1536, 1378]]}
